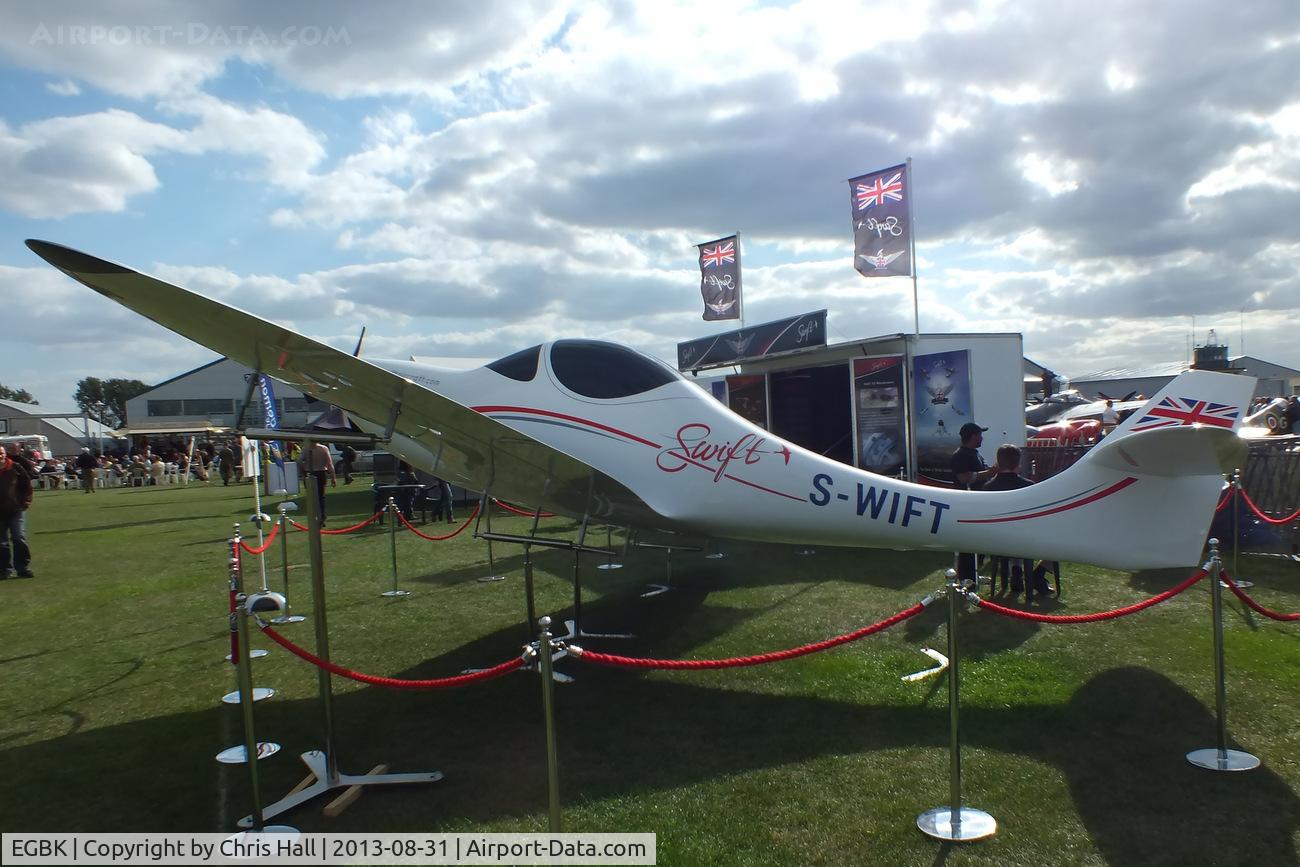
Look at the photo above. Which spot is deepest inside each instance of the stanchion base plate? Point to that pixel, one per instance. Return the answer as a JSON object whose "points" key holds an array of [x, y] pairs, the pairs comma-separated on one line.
{"points": [[486, 578], [1214, 759], [291, 618], [396, 594], [316, 763], [253, 654], [237, 755], [972, 824], [575, 633], [260, 693], [608, 566], [806, 552], [717, 555]]}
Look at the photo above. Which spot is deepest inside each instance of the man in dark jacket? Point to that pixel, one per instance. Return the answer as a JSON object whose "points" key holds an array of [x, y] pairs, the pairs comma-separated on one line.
{"points": [[1020, 572], [86, 466], [969, 471], [15, 499], [227, 456]]}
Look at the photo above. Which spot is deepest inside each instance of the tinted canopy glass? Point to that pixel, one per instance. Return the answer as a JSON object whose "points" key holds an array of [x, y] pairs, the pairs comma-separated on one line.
{"points": [[521, 366], [593, 368]]}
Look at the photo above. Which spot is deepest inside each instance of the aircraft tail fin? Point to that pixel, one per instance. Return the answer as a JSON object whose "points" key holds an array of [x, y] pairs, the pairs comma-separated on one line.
{"points": [[1165, 463], [1188, 429], [1202, 398]]}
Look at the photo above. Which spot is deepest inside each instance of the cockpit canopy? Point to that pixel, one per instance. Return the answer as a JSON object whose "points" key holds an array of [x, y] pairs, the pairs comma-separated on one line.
{"points": [[591, 368]]}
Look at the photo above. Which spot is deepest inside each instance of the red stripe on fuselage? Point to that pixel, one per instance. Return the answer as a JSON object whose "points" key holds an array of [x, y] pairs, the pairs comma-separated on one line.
{"points": [[1115, 488], [588, 422]]}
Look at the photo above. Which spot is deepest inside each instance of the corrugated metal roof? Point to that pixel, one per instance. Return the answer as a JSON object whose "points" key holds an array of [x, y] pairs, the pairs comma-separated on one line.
{"points": [[73, 427], [1171, 368]]}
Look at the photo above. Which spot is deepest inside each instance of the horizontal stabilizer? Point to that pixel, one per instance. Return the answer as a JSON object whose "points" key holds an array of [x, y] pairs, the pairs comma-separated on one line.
{"points": [[1173, 451]]}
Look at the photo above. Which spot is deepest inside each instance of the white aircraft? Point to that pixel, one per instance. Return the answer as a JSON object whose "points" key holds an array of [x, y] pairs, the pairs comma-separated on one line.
{"points": [[598, 431]]}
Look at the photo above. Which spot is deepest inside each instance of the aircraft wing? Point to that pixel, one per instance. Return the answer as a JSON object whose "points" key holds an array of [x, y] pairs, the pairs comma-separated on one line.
{"points": [[469, 449]]}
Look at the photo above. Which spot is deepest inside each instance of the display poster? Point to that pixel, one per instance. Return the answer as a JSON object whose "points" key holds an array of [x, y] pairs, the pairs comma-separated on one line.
{"points": [[747, 397], [941, 404], [878, 399]]}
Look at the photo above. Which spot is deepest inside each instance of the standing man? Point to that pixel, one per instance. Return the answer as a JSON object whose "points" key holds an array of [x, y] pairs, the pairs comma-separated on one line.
{"points": [[15, 500], [317, 462], [970, 471], [347, 455], [227, 458], [444, 500], [87, 464], [1109, 418], [1007, 478]]}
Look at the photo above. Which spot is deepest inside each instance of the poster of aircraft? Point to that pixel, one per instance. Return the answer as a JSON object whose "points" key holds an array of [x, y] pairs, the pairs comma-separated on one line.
{"points": [[601, 432]]}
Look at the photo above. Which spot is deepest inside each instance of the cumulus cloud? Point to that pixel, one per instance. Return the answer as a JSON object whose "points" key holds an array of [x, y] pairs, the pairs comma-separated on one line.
{"points": [[99, 161], [1081, 173]]}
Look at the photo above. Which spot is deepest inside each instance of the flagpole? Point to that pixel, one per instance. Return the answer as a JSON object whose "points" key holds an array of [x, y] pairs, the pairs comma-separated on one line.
{"points": [[740, 294], [911, 240]]}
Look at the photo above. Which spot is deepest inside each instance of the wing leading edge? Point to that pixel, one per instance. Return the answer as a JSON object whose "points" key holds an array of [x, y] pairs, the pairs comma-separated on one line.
{"points": [[473, 450]]}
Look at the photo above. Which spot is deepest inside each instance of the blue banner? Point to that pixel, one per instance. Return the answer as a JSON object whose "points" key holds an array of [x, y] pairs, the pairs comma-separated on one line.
{"points": [[271, 417]]}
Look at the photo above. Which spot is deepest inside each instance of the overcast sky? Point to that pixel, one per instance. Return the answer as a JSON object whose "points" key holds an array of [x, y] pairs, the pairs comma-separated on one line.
{"points": [[469, 178]]}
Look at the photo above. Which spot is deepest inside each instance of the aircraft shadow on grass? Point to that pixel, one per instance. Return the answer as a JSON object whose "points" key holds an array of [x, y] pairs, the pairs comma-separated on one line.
{"points": [[1119, 743]]}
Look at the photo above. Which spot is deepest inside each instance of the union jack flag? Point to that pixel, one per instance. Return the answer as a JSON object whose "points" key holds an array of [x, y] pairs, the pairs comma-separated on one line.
{"points": [[879, 190], [716, 256], [1183, 411]]}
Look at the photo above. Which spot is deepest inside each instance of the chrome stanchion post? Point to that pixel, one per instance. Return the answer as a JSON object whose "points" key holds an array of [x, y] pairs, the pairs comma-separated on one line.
{"points": [[393, 517], [485, 511], [548, 709], [529, 590], [954, 822], [1220, 758], [288, 616], [323, 763], [317, 557], [238, 575], [252, 749], [1236, 529], [609, 546], [238, 641]]}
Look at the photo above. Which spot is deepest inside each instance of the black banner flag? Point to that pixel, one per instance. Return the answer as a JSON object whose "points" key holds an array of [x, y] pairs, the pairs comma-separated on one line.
{"points": [[882, 224], [720, 278]]}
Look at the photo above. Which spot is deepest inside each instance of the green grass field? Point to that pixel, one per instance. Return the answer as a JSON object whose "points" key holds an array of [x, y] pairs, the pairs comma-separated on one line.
{"points": [[1074, 735]]}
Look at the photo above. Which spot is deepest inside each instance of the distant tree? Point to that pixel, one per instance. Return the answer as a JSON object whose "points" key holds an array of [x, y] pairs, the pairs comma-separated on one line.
{"points": [[17, 395], [105, 399]]}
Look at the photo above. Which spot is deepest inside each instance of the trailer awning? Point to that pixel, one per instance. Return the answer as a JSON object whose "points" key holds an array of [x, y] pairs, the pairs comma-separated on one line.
{"points": [[178, 428]]}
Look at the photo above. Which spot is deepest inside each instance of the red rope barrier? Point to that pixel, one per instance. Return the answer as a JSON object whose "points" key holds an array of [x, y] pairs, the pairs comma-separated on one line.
{"points": [[739, 661], [265, 545], [1223, 501], [1288, 519], [450, 535], [1255, 606], [352, 529], [510, 508], [393, 682], [1090, 618]]}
